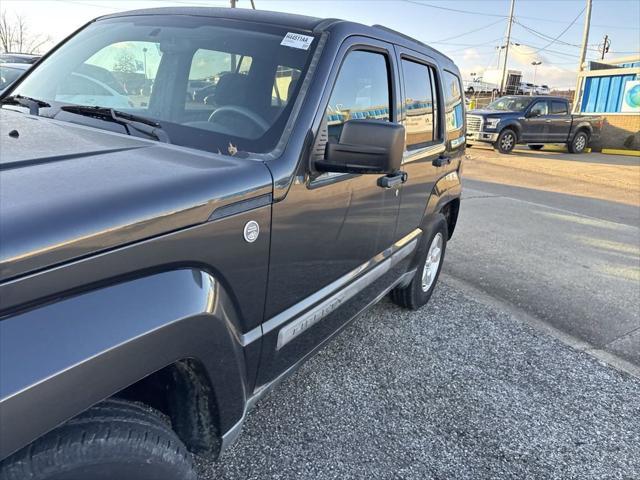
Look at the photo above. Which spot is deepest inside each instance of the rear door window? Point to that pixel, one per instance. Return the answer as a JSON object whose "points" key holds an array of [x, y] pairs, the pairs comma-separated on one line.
{"points": [[419, 105], [454, 109], [559, 108]]}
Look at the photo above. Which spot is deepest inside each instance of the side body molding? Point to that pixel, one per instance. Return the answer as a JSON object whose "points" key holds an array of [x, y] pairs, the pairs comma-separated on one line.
{"points": [[84, 348]]}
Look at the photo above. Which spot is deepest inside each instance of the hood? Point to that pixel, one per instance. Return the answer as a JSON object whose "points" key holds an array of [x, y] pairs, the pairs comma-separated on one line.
{"points": [[67, 191], [493, 113]]}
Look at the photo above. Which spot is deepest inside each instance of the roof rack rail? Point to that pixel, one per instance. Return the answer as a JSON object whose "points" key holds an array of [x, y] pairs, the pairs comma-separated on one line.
{"points": [[395, 32]]}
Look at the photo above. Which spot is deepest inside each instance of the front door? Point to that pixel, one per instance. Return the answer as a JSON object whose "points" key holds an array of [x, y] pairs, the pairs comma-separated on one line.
{"points": [[332, 228], [535, 123], [559, 121]]}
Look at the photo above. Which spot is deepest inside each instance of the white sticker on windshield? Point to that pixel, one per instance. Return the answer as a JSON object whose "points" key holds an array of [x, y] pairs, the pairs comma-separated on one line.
{"points": [[295, 40]]}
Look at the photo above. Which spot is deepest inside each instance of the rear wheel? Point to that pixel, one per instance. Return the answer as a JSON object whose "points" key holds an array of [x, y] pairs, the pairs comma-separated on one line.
{"points": [[506, 141], [536, 147], [431, 257], [579, 143], [115, 439]]}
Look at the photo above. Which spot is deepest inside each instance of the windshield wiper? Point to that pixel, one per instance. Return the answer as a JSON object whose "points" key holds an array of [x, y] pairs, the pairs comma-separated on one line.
{"points": [[33, 104], [127, 120]]}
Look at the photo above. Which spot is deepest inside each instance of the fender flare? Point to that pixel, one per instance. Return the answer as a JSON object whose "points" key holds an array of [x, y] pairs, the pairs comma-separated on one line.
{"points": [[85, 348], [513, 125]]}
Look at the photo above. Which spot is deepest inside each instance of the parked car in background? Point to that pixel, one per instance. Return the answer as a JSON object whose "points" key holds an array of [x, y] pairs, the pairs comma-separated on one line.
{"points": [[543, 90], [19, 58], [532, 120], [479, 86], [526, 88], [164, 266], [10, 72]]}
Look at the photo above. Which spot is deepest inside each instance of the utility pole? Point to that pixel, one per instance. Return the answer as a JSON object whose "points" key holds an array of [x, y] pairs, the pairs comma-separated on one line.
{"points": [[233, 3], [605, 46], [506, 50], [583, 54]]}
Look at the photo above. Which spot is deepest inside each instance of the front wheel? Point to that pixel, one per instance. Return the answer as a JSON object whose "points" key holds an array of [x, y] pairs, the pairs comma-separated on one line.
{"points": [[579, 143], [115, 439], [506, 141], [431, 257]]}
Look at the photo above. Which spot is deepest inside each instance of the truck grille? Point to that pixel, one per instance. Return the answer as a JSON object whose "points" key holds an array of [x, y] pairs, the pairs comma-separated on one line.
{"points": [[474, 123]]}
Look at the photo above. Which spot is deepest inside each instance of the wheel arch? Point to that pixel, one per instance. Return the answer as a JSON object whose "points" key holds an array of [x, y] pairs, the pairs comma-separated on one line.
{"points": [[169, 329]]}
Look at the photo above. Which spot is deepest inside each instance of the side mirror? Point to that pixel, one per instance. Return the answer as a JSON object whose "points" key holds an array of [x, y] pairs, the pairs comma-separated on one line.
{"points": [[365, 146], [533, 113]]}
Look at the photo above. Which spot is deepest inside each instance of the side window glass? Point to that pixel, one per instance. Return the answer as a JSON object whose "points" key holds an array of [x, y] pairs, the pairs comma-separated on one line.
{"points": [[453, 107], [418, 104], [541, 108], [559, 108], [361, 91]]}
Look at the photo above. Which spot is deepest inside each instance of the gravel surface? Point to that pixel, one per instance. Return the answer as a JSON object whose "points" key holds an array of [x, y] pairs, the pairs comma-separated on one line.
{"points": [[457, 390]]}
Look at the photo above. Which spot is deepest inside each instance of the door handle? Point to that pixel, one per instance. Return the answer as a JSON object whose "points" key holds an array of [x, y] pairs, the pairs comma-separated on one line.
{"points": [[441, 161], [393, 180], [548, 121]]}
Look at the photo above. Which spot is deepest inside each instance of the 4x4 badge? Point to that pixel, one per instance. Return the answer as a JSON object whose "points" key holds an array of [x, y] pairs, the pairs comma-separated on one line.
{"points": [[251, 231]]}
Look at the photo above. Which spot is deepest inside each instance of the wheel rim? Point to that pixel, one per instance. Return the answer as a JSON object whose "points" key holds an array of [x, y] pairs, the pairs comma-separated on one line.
{"points": [[432, 263], [507, 142], [580, 142]]}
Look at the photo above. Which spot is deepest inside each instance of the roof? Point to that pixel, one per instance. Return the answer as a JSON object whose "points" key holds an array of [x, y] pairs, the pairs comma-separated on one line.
{"points": [[299, 22]]}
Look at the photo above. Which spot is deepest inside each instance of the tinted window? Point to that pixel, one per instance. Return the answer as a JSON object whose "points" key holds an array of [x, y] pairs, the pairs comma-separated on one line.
{"points": [[559, 108], [361, 91], [419, 105], [453, 105], [9, 75], [541, 108]]}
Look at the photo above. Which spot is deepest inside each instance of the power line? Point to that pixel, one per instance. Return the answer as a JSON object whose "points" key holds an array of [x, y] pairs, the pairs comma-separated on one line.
{"points": [[554, 40], [444, 40], [469, 12]]}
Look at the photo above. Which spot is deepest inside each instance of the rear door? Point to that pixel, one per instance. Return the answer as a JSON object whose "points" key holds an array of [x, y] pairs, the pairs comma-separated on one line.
{"points": [[558, 121], [421, 111]]}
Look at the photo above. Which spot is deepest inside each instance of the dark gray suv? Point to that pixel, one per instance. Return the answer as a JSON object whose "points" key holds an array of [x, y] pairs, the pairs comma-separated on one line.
{"points": [[167, 257]]}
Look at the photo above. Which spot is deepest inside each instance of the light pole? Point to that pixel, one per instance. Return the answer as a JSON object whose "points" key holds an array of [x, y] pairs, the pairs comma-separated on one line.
{"points": [[535, 64]]}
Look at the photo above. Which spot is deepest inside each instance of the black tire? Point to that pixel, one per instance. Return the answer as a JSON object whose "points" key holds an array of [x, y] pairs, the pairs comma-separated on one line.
{"points": [[414, 295], [536, 147], [115, 439], [579, 142], [506, 141]]}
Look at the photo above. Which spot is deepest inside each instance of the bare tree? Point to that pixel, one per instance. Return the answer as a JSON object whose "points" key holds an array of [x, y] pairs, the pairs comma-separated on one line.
{"points": [[15, 35]]}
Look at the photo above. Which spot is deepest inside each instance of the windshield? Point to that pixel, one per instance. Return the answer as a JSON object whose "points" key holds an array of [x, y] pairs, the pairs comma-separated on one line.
{"points": [[509, 104], [8, 75], [210, 83]]}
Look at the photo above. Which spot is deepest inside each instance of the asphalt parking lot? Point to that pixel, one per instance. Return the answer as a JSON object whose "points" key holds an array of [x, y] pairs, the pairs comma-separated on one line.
{"points": [[459, 389]]}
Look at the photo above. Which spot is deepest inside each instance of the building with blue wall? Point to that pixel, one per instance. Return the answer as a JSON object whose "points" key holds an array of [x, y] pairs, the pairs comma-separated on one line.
{"points": [[603, 86]]}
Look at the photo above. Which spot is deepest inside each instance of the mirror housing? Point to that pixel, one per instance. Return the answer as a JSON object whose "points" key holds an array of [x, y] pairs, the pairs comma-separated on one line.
{"points": [[365, 146], [532, 113]]}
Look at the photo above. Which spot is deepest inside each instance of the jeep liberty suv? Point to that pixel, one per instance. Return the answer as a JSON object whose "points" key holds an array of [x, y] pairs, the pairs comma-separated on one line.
{"points": [[193, 201]]}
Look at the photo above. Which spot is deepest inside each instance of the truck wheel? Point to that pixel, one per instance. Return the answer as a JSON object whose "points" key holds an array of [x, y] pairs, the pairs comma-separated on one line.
{"points": [[506, 141], [579, 143], [431, 257], [536, 147], [115, 439]]}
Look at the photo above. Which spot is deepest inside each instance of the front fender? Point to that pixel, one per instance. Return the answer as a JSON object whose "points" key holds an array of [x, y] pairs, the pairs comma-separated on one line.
{"points": [[60, 359]]}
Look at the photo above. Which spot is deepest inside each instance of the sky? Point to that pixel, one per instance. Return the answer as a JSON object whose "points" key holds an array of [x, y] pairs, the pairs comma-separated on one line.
{"points": [[468, 31]]}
